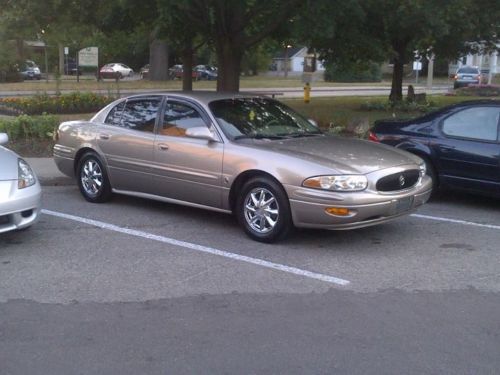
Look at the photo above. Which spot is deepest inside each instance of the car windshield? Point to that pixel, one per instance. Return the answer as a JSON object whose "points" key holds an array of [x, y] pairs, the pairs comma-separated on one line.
{"points": [[260, 118]]}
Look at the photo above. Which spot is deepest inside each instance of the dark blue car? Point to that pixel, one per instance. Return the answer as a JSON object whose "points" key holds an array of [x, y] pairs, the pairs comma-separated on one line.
{"points": [[459, 143]]}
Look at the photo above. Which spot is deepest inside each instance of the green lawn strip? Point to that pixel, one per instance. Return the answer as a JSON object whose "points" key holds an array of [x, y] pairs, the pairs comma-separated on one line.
{"points": [[341, 111]]}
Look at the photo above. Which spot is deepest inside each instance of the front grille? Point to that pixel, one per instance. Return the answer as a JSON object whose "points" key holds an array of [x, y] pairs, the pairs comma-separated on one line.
{"points": [[399, 181], [4, 219]]}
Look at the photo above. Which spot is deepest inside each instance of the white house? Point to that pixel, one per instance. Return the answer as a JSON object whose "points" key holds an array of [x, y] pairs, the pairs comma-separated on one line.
{"points": [[293, 59]]}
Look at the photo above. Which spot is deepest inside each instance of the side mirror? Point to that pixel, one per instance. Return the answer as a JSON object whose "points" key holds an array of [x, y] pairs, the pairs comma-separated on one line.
{"points": [[201, 132], [4, 138], [313, 123]]}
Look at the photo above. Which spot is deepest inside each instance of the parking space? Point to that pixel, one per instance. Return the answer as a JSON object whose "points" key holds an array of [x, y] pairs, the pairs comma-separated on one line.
{"points": [[450, 243]]}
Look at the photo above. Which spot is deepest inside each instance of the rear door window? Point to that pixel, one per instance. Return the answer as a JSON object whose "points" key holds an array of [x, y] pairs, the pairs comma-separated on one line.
{"points": [[479, 123], [141, 114]]}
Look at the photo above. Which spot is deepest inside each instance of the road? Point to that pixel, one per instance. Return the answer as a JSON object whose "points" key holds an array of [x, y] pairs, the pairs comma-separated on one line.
{"points": [[141, 287]]}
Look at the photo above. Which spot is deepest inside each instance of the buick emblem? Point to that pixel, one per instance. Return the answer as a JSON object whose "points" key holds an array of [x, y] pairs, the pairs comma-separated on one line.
{"points": [[401, 180]]}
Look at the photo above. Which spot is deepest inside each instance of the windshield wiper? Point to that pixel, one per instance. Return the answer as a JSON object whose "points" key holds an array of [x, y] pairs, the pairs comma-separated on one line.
{"points": [[299, 135], [257, 136]]}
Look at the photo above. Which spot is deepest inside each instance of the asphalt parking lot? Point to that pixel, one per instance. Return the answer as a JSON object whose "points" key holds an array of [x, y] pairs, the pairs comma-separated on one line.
{"points": [[136, 286]]}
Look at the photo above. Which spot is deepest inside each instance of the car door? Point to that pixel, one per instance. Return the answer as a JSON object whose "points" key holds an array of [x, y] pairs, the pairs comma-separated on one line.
{"points": [[187, 169], [469, 151], [127, 141]]}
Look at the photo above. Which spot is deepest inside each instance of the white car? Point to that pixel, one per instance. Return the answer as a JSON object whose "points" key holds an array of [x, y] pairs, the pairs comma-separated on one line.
{"points": [[20, 192], [116, 70]]}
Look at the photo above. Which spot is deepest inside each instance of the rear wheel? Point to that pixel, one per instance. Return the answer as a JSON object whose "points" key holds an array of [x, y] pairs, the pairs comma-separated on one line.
{"points": [[263, 210], [92, 178]]}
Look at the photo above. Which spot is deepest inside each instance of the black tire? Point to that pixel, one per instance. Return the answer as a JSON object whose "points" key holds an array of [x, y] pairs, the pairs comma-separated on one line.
{"points": [[277, 211], [92, 179]]}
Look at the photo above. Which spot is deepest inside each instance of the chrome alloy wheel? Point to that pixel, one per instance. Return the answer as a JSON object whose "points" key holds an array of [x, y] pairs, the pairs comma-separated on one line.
{"points": [[91, 177], [261, 210]]}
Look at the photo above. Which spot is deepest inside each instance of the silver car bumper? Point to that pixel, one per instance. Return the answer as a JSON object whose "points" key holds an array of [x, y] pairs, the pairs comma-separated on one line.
{"points": [[366, 208], [18, 208]]}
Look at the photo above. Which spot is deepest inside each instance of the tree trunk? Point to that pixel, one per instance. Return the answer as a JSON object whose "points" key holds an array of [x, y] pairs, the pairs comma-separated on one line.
{"points": [[397, 76], [158, 60], [61, 58], [187, 69], [20, 49], [229, 57]]}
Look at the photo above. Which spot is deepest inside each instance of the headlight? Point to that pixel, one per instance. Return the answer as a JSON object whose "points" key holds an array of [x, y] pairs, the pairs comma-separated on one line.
{"points": [[26, 176], [423, 170], [337, 183]]}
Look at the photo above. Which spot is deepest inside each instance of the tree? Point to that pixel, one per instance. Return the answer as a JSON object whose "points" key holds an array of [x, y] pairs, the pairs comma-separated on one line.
{"points": [[377, 30], [231, 27]]}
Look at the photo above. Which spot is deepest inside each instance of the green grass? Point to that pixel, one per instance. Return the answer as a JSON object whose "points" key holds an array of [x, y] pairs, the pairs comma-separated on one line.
{"points": [[340, 111]]}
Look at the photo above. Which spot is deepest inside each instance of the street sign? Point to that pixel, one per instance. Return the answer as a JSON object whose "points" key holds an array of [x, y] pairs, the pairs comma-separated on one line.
{"points": [[66, 50], [417, 65], [88, 57]]}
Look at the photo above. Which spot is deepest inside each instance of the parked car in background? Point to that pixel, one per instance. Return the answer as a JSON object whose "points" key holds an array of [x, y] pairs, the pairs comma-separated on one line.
{"points": [[206, 72], [116, 70], [242, 154], [466, 75], [71, 67], [459, 144], [144, 72], [177, 72], [20, 192], [30, 70]]}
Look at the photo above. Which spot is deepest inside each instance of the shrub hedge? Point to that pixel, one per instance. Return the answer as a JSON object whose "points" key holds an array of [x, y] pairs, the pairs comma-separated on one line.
{"points": [[63, 104], [30, 128], [354, 72]]}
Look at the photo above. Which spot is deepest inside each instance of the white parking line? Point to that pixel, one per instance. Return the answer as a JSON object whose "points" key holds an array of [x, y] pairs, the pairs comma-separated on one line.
{"points": [[204, 249], [456, 221]]}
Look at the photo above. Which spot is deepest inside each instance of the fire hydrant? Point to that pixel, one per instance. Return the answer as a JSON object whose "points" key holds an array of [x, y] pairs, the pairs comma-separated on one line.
{"points": [[307, 92]]}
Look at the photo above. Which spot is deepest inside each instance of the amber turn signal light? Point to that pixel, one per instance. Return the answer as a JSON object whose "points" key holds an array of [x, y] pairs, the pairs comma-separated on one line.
{"points": [[339, 211]]}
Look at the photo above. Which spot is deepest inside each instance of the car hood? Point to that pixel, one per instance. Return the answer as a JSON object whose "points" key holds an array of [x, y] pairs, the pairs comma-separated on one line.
{"points": [[345, 155], [8, 165]]}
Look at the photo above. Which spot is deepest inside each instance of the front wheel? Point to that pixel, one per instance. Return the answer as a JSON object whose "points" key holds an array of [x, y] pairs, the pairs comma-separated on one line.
{"points": [[263, 210], [92, 178]]}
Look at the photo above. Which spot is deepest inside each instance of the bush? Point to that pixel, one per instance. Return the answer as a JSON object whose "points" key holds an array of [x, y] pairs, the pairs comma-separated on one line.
{"points": [[403, 106], [28, 128], [63, 104], [479, 90], [353, 72]]}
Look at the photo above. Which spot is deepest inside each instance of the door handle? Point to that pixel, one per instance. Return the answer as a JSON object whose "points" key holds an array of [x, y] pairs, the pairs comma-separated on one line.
{"points": [[163, 146], [104, 136]]}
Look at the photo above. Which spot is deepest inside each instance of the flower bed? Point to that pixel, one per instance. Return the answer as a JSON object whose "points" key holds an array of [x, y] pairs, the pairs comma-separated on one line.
{"points": [[479, 90]]}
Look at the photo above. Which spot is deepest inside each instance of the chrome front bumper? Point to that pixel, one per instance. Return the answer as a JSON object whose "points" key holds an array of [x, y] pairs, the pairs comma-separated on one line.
{"points": [[19, 209], [366, 208]]}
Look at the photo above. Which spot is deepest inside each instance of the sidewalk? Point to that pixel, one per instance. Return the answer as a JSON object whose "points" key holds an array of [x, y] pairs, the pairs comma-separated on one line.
{"points": [[47, 172]]}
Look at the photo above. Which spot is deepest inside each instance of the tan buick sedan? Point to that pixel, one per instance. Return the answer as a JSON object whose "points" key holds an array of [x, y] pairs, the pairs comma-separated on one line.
{"points": [[247, 155]]}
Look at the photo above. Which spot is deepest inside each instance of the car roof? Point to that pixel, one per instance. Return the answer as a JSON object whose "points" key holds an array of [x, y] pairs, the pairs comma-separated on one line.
{"points": [[204, 97]]}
